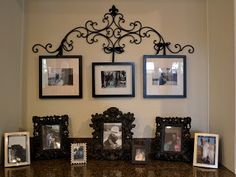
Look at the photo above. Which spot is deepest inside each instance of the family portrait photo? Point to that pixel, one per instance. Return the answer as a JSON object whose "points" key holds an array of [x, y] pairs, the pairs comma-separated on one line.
{"points": [[140, 154], [51, 137], [172, 138], [113, 79], [206, 150], [164, 76], [60, 76], [112, 136]]}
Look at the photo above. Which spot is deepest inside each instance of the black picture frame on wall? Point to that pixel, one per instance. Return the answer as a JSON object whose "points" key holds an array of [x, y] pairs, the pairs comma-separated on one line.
{"points": [[50, 139], [164, 76], [60, 76], [116, 126], [173, 139], [111, 79]]}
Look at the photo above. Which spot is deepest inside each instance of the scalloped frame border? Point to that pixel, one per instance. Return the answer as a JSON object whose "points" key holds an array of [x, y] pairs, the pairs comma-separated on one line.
{"points": [[82, 160]]}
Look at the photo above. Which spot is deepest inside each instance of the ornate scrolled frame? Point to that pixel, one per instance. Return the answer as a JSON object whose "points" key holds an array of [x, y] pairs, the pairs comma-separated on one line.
{"points": [[39, 152], [112, 115], [113, 33], [186, 153]]}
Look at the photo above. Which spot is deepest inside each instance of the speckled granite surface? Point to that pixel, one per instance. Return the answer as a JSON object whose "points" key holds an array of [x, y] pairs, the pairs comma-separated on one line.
{"points": [[95, 168]]}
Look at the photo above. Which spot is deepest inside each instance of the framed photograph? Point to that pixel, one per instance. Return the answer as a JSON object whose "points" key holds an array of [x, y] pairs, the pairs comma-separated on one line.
{"points": [[17, 149], [78, 153], [112, 136], [164, 76], [139, 154], [60, 77], [51, 137], [206, 150], [173, 139], [113, 79]]}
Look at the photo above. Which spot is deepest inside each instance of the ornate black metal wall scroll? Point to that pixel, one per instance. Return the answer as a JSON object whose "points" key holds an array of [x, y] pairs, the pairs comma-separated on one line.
{"points": [[112, 136], [51, 137], [113, 34], [173, 140]]}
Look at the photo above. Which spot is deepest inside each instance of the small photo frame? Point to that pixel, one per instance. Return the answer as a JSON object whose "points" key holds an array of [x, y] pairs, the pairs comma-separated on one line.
{"points": [[113, 79], [206, 147], [17, 149], [164, 76], [112, 136], [51, 137], [173, 139], [139, 154], [78, 153], [60, 77]]}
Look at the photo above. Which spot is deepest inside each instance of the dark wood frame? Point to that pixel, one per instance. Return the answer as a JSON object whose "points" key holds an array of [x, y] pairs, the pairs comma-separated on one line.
{"points": [[186, 153], [39, 152], [115, 94], [76, 57], [134, 147], [112, 115], [166, 57]]}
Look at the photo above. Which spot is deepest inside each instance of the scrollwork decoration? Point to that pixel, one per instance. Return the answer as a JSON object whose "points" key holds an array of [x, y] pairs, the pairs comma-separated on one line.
{"points": [[113, 33]]}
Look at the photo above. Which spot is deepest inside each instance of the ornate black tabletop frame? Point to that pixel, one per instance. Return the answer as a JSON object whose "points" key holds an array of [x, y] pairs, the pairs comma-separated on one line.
{"points": [[113, 33]]}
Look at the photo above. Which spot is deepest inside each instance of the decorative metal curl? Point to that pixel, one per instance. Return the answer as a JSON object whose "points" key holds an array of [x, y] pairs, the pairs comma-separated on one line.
{"points": [[113, 33]]}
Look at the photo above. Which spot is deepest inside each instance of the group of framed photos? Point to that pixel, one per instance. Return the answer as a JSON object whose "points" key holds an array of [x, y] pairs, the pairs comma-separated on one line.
{"points": [[164, 76], [112, 140]]}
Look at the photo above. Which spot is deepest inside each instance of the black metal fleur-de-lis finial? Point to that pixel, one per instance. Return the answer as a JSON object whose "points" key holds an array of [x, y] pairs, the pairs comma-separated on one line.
{"points": [[113, 11]]}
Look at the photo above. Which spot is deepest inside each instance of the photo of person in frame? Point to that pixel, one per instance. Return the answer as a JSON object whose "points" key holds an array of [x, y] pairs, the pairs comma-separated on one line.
{"points": [[113, 79], [172, 139], [140, 154], [112, 136], [17, 149], [51, 137], [79, 153], [206, 150]]}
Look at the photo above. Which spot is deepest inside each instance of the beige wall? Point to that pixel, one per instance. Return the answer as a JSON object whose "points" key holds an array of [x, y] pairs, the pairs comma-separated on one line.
{"points": [[11, 15], [182, 21], [221, 74]]}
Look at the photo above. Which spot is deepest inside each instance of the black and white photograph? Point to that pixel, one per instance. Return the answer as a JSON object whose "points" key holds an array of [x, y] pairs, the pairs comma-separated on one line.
{"points": [[206, 150], [112, 136], [60, 76], [51, 137], [164, 76], [172, 139], [16, 148], [78, 153], [113, 79]]}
